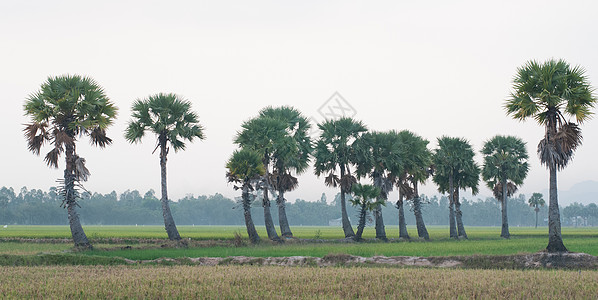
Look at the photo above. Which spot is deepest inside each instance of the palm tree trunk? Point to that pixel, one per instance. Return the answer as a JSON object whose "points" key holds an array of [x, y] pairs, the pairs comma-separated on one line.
{"points": [[505, 222], [537, 210], [422, 232], [402, 224], [285, 230], [171, 230], [77, 232], [380, 230], [555, 242], [268, 222], [251, 232], [347, 229], [452, 227], [361, 225], [458, 215]]}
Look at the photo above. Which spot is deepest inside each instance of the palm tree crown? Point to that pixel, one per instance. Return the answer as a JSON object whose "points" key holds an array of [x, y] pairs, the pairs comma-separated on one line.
{"points": [[66, 107], [550, 92], [243, 166], [168, 116], [379, 157], [536, 200], [366, 195], [505, 158], [454, 158], [334, 149], [300, 146], [417, 159]]}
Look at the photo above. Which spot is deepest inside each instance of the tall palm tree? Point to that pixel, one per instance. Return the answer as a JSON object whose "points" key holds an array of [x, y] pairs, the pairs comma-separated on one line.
{"points": [[535, 201], [416, 160], [65, 108], [552, 93], [170, 118], [265, 135], [367, 198], [334, 153], [380, 158], [464, 181], [505, 163], [246, 168], [453, 161], [291, 156]]}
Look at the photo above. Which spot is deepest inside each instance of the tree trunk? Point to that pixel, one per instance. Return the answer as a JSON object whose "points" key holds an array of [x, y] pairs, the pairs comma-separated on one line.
{"points": [[347, 229], [251, 232], [555, 242], [505, 222], [361, 224], [458, 214], [268, 222], [380, 230], [537, 210], [453, 228], [402, 224], [285, 230], [171, 230], [422, 232], [77, 232]]}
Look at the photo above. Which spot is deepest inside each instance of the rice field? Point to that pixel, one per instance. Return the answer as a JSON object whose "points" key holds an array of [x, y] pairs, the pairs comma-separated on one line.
{"points": [[258, 282], [61, 274], [302, 232], [482, 240]]}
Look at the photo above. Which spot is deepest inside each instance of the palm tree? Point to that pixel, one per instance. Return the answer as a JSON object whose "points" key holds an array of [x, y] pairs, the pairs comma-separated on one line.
{"points": [[416, 160], [551, 93], [246, 168], [334, 153], [291, 155], [379, 157], [505, 167], [367, 198], [170, 118], [462, 181], [535, 201], [264, 134], [453, 162], [65, 108]]}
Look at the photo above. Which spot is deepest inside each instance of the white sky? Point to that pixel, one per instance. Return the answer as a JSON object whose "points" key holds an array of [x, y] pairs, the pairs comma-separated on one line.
{"points": [[433, 67]]}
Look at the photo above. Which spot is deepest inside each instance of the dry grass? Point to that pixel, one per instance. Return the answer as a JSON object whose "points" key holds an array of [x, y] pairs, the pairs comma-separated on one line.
{"points": [[258, 282]]}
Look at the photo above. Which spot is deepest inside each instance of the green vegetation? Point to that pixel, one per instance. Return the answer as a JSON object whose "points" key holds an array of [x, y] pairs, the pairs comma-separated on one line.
{"points": [[482, 240], [438, 248]]}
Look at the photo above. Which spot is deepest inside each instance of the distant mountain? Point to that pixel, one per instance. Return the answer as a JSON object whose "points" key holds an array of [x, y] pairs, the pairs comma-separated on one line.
{"points": [[585, 192]]}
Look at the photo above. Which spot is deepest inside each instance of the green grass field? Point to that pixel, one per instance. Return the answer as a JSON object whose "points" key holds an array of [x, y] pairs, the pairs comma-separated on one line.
{"points": [[303, 232], [482, 240]]}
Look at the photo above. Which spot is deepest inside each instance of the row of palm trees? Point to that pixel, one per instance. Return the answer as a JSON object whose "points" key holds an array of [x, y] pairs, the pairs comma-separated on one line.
{"points": [[346, 152], [275, 146]]}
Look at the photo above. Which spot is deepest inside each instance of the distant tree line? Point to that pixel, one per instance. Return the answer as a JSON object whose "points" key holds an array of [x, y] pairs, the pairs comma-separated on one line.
{"points": [[38, 207], [577, 214]]}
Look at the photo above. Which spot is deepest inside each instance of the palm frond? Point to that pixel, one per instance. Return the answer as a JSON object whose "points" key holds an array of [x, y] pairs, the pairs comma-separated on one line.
{"points": [[34, 139], [99, 138]]}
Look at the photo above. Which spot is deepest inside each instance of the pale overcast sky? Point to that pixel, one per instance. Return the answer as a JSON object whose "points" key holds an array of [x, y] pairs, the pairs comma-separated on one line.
{"points": [[433, 67]]}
